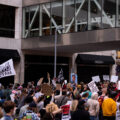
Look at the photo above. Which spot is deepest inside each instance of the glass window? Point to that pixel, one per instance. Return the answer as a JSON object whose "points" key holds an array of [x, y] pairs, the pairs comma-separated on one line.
{"points": [[26, 21], [81, 14], [46, 18], [108, 13], [56, 15], [95, 14], [34, 21], [69, 15], [7, 21], [118, 13]]}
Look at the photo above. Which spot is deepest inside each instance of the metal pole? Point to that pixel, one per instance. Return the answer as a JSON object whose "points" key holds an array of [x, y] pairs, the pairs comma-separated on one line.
{"points": [[55, 54]]}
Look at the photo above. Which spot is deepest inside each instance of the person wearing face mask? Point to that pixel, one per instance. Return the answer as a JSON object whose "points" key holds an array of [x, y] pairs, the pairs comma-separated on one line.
{"points": [[9, 108]]}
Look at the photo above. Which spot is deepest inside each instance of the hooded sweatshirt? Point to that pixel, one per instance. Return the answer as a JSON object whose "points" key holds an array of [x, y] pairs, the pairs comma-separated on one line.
{"points": [[93, 105]]}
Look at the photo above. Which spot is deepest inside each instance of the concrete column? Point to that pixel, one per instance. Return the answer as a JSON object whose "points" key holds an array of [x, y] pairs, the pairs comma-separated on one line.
{"points": [[17, 70], [74, 65], [113, 67], [18, 23]]}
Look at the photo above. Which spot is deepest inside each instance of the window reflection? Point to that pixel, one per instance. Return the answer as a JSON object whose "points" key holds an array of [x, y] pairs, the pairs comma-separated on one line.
{"points": [[81, 15], [46, 19], [95, 11], [73, 15], [109, 13], [56, 15]]}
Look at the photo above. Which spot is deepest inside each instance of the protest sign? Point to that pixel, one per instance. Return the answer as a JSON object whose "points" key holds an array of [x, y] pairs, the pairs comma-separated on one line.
{"points": [[106, 77], [46, 89], [93, 87], [58, 86], [114, 78], [96, 78], [7, 69], [65, 81], [60, 76], [118, 85], [65, 112], [74, 78]]}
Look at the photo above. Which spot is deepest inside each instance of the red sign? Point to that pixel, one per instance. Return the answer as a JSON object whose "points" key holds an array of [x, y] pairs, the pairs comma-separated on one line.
{"points": [[66, 109]]}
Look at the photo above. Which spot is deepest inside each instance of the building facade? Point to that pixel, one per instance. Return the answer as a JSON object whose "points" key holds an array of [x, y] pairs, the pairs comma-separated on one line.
{"points": [[28, 27]]}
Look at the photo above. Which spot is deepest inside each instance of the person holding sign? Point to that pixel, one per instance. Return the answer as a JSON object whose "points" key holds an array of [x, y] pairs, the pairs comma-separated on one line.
{"points": [[73, 80]]}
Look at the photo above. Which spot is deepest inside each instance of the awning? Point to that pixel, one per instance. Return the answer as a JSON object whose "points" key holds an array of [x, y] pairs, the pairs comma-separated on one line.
{"points": [[6, 54], [94, 59]]}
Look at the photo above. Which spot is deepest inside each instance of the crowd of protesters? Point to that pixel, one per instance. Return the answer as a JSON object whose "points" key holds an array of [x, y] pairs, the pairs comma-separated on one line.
{"points": [[28, 102]]}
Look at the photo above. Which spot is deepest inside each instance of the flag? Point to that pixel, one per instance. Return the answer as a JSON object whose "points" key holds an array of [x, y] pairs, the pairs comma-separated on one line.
{"points": [[7, 69], [60, 76]]}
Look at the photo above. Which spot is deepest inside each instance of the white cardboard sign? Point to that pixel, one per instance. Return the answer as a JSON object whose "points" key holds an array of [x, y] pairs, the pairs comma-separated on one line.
{"points": [[7, 69], [93, 87], [114, 78], [118, 85], [96, 78], [106, 77]]}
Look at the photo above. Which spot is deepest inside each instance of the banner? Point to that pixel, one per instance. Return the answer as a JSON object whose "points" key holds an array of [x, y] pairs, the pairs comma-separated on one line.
{"points": [[65, 112], [106, 77], [96, 78], [7, 69], [114, 78], [93, 87], [60, 76]]}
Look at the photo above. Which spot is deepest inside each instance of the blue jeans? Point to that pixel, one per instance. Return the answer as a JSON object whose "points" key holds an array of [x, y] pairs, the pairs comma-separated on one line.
{"points": [[93, 118]]}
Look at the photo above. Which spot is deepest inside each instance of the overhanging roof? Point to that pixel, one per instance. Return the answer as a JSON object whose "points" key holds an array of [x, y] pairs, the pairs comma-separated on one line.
{"points": [[6, 54], [94, 59]]}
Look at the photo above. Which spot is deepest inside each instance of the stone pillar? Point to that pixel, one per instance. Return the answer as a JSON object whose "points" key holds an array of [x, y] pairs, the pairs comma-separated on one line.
{"points": [[19, 67], [74, 65], [113, 67], [18, 23], [17, 70]]}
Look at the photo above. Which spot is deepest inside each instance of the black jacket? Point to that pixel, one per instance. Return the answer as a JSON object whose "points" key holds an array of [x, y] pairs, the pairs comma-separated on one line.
{"points": [[80, 115]]}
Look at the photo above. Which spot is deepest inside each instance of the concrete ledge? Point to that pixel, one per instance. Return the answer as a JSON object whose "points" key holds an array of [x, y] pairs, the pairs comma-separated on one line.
{"points": [[35, 2], [10, 43], [14, 3]]}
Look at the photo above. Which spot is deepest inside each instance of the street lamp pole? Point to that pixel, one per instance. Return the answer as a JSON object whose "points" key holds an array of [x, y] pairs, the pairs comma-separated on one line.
{"points": [[55, 50], [55, 53]]}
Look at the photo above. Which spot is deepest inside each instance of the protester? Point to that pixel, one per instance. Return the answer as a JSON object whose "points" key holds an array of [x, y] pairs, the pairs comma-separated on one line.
{"points": [[80, 113], [23, 109], [109, 107], [93, 106], [73, 101], [9, 108], [31, 113]]}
